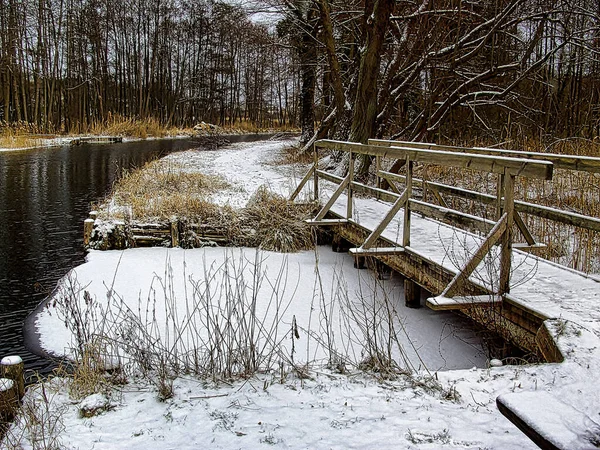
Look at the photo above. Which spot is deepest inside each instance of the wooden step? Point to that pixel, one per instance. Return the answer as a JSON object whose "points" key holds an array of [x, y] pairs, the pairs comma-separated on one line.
{"points": [[440, 303], [525, 246], [377, 251], [326, 222]]}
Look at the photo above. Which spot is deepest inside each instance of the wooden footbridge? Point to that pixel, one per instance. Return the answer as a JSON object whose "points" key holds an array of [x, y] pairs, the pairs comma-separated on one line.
{"points": [[480, 266]]}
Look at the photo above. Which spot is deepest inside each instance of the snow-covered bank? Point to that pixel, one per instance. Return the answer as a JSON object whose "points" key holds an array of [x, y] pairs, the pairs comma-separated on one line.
{"points": [[329, 410], [154, 277]]}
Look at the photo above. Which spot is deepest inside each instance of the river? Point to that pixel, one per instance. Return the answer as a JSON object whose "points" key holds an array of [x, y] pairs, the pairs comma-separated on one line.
{"points": [[45, 194]]}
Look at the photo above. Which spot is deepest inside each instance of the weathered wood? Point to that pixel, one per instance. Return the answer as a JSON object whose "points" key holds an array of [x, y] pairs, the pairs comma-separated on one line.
{"points": [[547, 345], [8, 399], [339, 244], [441, 303], [96, 140], [376, 251], [523, 229], [529, 168], [326, 222], [350, 194], [13, 367], [491, 239], [566, 217], [507, 236], [316, 175], [406, 225], [548, 422], [452, 216], [175, 233], [88, 228], [398, 204], [321, 214], [412, 294], [303, 182], [569, 162]]}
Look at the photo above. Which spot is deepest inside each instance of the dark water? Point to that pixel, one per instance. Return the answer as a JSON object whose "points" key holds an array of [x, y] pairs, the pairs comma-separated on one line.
{"points": [[45, 195]]}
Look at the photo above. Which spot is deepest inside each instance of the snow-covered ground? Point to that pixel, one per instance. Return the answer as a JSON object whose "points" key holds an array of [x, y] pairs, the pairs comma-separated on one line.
{"points": [[452, 408]]}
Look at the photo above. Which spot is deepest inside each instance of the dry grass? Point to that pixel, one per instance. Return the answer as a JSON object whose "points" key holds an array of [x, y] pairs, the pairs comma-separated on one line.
{"points": [[278, 224], [161, 189], [19, 135], [117, 125]]}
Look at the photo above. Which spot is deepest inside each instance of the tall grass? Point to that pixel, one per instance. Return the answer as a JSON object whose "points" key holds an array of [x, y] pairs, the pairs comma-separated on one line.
{"points": [[234, 321], [117, 125], [162, 189]]}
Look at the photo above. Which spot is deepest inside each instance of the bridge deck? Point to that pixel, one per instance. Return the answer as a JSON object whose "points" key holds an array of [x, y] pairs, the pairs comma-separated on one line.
{"points": [[540, 287]]}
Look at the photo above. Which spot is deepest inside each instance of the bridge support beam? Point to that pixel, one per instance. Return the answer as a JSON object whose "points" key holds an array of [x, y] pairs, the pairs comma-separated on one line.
{"points": [[412, 294]]}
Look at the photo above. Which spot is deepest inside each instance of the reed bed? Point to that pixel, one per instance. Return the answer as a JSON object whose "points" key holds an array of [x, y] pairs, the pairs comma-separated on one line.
{"points": [[162, 190]]}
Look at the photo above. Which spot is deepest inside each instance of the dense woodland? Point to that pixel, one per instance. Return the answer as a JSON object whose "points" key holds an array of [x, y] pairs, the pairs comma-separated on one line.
{"points": [[422, 69]]}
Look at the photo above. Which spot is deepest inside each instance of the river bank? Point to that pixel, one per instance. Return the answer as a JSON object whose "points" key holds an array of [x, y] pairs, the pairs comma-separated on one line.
{"points": [[308, 404]]}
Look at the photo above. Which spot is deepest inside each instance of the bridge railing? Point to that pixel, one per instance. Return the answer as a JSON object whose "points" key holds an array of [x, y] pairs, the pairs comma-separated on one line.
{"points": [[498, 232], [566, 162]]}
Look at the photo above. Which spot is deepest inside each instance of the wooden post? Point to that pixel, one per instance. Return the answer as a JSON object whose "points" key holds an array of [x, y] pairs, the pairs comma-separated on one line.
{"points": [[412, 294], [377, 170], [359, 262], [174, 232], [8, 399], [316, 175], [93, 215], [499, 195], [506, 243], [351, 177], [339, 244], [88, 227], [406, 226], [12, 367]]}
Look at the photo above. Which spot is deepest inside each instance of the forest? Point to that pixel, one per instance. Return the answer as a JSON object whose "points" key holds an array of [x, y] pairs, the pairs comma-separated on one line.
{"points": [[435, 70]]}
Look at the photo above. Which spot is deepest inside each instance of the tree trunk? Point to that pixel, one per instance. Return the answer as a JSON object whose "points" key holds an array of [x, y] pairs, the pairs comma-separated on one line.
{"points": [[365, 104]]}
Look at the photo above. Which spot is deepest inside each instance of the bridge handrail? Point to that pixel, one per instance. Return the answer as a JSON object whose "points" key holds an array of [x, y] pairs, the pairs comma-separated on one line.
{"points": [[531, 168], [569, 162]]}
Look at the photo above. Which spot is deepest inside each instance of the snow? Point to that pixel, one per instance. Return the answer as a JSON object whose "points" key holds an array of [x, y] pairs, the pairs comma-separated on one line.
{"points": [[6, 384], [173, 275], [441, 409], [11, 360], [560, 424]]}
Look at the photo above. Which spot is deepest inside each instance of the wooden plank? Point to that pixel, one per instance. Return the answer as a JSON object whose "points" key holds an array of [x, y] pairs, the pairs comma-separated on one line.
{"points": [[526, 246], [350, 194], [529, 168], [376, 251], [326, 222], [492, 238], [406, 225], [569, 162], [545, 212], [303, 182], [452, 215], [442, 303], [402, 200], [507, 236], [321, 214], [548, 422]]}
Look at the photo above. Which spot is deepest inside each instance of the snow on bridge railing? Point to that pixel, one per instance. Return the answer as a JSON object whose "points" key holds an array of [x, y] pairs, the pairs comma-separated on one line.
{"points": [[499, 232]]}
